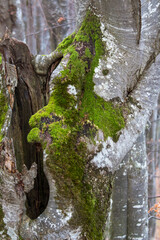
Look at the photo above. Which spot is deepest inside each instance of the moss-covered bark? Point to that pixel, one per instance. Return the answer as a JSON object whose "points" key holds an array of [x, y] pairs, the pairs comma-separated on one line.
{"points": [[3, 110], [3, 102], [68, 120]]}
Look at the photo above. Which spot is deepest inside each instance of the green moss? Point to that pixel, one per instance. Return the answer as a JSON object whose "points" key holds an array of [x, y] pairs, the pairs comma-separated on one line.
{"points": [[1, 137], [3, 105], [34, 135], [3, 110], [66, 42], [20, 237], [68, 166], [66, 119], [67, 163], [88, 53]]}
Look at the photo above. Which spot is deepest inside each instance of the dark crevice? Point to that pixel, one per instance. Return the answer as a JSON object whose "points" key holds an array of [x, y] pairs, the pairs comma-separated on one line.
{"points": [[26, 153], [136, 11], [140, 76], [37, 198]]}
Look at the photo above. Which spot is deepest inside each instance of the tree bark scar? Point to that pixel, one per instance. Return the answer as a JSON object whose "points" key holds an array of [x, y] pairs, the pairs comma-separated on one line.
{"points": [[29, 94], [139, 23], [136, 9]]}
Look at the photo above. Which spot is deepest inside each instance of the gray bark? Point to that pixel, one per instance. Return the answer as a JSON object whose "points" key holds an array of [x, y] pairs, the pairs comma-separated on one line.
{"points": [[129, 215], [152, 170]]}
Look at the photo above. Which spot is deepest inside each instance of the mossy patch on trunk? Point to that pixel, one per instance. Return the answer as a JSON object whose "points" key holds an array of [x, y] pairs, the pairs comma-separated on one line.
{"points": [[61, 126], [3, 103]]}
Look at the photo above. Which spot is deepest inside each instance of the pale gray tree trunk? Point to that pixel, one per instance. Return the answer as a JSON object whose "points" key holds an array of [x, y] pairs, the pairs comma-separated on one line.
{"points": [[129, 208], [152, 169]]}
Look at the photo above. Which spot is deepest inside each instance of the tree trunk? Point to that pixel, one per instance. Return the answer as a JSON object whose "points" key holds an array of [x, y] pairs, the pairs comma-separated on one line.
{"points": [[88, 143], [129, 215]]}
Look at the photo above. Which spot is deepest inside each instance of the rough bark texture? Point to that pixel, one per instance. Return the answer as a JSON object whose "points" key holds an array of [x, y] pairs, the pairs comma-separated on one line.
{"points": [[24, 99], [14, 185], [104, 81]]}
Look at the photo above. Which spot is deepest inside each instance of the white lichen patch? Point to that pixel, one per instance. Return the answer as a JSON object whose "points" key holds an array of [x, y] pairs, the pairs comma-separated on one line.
{"points": [[138, 206], [117, 61], [65, 217], [72, 90], [107, 86], [11, 232], [76, 234], [121, 237], [152, 8]]}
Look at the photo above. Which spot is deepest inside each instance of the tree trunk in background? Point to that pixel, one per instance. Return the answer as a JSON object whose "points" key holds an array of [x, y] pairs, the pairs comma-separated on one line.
{"points": [[152, 169], [36, 22], [103, 82], [129, 213], [153, 163]]}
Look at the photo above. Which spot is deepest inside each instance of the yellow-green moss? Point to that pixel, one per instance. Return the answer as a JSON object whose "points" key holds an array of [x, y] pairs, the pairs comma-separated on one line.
{"points": [[3, 108], [20, 237], [66, 42], [65, 119], [3, 104], [1, 137], [34, 135]]}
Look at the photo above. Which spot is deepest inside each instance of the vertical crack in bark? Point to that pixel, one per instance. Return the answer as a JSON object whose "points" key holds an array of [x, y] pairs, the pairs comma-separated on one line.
{"points": [[136, 6], [141, 75], [140, 23], [26, 153], [27, 99]]}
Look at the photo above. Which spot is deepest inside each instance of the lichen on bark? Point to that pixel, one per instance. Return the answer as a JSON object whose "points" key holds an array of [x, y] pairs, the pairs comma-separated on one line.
{"points": [[3, 102], [3, 231], [69, 122]]}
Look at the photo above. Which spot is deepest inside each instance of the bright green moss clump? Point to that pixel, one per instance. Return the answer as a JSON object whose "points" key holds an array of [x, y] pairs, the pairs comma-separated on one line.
{"points": [[34, 135], [3, 108], [66, 42], [3, 105], [66, 119]]}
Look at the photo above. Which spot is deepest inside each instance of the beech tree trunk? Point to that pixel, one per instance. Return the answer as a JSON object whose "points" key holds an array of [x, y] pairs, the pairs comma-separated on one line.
{"points": [[76, 118]]}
